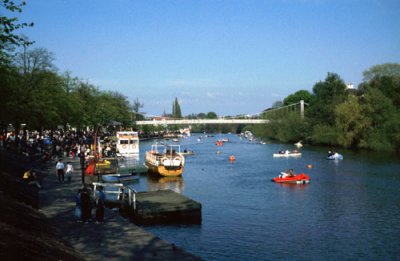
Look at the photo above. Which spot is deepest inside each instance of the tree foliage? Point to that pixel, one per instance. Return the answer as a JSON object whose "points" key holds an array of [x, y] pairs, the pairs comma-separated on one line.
{"points": [[176, 110], [351, 122], [368, 118], [386, 69], [36, 95], [8, 27], [297, 97]]}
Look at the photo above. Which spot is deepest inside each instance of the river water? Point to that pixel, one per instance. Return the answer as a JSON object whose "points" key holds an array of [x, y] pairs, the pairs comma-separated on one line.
{"points": [[349, 210]]}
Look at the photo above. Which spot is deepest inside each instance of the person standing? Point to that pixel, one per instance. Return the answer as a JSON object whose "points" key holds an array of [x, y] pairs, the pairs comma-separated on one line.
{"points": [[101, 199], [82, 162], [85, 205], [78, 209], [69, 171], [60, 171]]}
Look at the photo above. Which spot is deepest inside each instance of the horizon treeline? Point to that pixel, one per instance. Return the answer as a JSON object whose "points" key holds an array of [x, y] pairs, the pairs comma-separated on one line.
{"points": [[367, 117]]}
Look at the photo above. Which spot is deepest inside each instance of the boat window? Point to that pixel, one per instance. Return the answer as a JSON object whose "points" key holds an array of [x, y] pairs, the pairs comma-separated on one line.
{"points": [[123, 142], [132, 142]]}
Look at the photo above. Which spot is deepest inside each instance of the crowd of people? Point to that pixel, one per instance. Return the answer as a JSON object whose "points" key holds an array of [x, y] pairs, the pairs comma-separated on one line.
{"points": [[45, 146]]}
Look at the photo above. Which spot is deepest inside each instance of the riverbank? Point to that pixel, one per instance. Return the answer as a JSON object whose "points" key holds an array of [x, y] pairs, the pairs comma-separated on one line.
{"points": [[25, 232], [117, 238]]}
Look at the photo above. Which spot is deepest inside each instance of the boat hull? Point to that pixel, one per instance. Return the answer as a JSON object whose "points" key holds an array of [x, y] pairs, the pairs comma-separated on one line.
{"points": [[277, 155], [164, 171], [298, 179], [114, 178]]}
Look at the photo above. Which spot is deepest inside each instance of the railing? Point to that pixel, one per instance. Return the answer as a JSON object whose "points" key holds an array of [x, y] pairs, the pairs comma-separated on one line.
{"points": [[131, 196], [299, 104], [120, 192]]}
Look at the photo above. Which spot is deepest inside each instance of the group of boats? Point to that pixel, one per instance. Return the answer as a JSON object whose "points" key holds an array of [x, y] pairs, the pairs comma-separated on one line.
{"points": [[167, 160], [163, 160], [289, 176]]}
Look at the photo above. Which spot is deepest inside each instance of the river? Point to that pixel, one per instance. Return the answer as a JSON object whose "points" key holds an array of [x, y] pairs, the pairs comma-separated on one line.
{"points": [[349, 210]]}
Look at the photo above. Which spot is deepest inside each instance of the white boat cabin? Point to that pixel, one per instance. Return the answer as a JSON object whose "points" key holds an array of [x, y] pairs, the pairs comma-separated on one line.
{"points": [[128, 142]]}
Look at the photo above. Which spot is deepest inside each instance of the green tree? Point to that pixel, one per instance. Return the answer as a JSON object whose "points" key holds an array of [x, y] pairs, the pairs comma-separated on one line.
{"points": [[351, 122], [277, 104], [211, 115], [136, 106], [8, 27], [386, 69], [326, 96], [176, 110], [297, 97]]}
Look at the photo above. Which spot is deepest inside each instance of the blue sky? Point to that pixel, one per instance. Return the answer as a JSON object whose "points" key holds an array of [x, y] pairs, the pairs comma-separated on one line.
{"points": [[230, 57]]}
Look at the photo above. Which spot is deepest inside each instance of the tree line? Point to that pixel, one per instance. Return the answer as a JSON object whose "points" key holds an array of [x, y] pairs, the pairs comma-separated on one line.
{"points": [[34, 93], [367, 117]]}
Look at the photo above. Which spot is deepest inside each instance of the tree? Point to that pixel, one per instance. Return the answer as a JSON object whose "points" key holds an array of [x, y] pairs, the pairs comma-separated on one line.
{"points": [[36, 60], [176, 110], [386, 69], [297, 97], [70, 83], [326, 96], [351, 122], [136, 106], [211, 115], [277, 104], [201, 115], [8, 26]]}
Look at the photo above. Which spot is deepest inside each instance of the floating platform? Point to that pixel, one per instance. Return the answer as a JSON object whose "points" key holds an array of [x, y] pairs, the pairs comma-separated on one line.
{"points": [[165, 207]]}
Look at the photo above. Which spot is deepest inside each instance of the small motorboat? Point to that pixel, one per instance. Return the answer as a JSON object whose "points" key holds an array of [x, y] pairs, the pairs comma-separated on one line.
{"points": [[296, 179], [187, 152], [287, 153], [335, 156]]}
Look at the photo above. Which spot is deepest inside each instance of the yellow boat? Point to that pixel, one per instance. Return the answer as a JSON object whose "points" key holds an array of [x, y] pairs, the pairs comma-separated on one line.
{"points": [[169, 163], [103, 164]]}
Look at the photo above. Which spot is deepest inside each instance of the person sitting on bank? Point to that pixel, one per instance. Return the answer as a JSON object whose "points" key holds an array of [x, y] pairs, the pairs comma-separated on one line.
{"points": [[33, 180], [27, 175]]}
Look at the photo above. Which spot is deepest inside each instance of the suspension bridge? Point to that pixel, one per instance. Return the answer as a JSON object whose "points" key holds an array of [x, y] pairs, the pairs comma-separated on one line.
{"points": [[241, 119]]}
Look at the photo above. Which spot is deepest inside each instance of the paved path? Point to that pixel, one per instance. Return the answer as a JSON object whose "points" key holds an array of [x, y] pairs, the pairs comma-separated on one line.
{"points": [[116, 239]]}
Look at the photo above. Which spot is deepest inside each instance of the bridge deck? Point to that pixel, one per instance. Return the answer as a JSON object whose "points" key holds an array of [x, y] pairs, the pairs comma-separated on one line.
{"points": [[203, 121]]}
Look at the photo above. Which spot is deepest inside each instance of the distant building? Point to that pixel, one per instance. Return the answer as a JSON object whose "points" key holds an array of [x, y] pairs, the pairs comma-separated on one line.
{"points": [[350, 86]]}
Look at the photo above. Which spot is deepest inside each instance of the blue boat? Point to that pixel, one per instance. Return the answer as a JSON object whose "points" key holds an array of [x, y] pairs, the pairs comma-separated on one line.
{"points": [[119, 178]]}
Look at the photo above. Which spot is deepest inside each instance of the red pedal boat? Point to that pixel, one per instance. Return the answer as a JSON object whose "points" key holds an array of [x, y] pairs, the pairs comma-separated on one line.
{"points": [[297, 179]]}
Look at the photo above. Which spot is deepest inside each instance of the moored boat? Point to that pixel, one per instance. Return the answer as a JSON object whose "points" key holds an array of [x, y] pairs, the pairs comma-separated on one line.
{"points": [[169, 162], [295, 179], [127, 142], [122, 178]]}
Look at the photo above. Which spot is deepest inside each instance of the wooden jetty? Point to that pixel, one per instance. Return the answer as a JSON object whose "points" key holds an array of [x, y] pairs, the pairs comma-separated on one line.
{"points": [[154, 207], [163, 207]]}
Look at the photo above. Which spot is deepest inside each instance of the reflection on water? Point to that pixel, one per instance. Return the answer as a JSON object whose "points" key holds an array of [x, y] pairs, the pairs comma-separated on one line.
{"points": [[349, 210], [293, 186], [160, 183]]}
